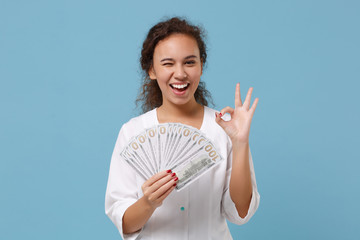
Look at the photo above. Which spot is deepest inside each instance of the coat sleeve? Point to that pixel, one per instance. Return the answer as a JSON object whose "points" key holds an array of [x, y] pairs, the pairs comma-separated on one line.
{"points": [[228, 206], [121, 191]]}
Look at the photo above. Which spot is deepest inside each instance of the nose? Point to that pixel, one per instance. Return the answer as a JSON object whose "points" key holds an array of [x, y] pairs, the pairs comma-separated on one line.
{"points": [[180, 72]]}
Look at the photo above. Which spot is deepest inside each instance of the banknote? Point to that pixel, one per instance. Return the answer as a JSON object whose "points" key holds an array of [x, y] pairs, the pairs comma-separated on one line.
{"points": [[179, 147]]}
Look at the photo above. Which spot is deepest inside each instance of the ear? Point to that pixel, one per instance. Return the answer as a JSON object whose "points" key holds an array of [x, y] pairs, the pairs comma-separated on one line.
{"points": [[152, 74]]}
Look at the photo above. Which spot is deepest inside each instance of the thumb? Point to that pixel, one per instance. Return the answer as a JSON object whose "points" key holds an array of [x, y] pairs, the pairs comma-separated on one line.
{"points": [[219, 120]]}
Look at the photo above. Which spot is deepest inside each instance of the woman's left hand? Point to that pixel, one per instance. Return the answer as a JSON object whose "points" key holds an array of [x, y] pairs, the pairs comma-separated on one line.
{"points": [[238, 128]]}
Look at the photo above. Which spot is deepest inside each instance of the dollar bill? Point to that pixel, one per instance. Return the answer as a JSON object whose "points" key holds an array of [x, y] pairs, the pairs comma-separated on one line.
{"points": [[179, 147]]}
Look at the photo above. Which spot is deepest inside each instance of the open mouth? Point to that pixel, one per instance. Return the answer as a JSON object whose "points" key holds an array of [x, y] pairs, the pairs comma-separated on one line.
{"points": [[180, 87]]}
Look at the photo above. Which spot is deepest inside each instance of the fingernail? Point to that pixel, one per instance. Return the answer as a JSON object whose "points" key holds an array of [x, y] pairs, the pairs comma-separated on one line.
{"points": [[173, 174], [169, 171], [174, 185], [220, 114], [215, 114], [175, 179]]}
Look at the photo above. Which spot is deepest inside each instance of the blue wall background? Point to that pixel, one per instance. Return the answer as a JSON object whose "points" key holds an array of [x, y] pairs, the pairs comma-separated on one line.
{"points": [[69, 76]]}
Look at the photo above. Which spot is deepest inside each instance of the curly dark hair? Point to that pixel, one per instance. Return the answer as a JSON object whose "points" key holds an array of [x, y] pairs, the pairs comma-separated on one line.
{"points": [[150, 95]]}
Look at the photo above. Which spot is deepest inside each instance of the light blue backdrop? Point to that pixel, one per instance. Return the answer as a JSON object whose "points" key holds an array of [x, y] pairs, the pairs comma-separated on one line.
{"points": [[69, 76]]}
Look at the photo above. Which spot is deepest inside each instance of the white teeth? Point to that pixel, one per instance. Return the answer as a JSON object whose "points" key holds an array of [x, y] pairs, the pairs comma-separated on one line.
{"points": [[179, 86]]}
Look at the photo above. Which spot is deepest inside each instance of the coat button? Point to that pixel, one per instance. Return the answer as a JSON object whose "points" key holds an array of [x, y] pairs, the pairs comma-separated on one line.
{"points": [[182, 208]]}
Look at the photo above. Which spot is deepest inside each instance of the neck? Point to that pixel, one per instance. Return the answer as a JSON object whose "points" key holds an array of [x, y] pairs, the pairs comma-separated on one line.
{"points": [[189, 109]]}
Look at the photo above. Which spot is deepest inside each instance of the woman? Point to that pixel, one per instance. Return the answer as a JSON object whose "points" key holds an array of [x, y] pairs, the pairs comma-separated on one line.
{"points": [[173, 56]]}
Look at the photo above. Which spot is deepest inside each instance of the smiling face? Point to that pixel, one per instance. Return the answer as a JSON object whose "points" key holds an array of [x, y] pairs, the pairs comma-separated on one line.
{"points": [[177, 67]]}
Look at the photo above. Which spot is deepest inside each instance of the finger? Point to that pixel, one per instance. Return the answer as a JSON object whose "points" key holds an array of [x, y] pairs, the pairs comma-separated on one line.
{"points": [[238, 102], [253, 107], [162, 197], [164, 188], [158, 184], [248, 99], [218, 116], [226, 110], [156, 177], [219, 120]]}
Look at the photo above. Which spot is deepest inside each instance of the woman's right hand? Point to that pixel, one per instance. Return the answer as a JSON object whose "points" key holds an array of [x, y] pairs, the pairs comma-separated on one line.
{"points": [[158, 187], [155, 190]]}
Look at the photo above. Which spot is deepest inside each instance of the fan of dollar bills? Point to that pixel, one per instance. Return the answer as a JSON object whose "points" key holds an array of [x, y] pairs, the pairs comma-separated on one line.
{"points": [[181, 148]]}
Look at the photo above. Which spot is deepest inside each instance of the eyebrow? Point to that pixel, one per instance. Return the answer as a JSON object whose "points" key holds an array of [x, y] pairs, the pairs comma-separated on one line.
{"points": [[171, 59]]}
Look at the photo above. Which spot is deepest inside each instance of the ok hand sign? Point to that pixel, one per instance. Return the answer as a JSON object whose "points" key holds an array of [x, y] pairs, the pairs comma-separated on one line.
{"points": [[238, 128]]}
